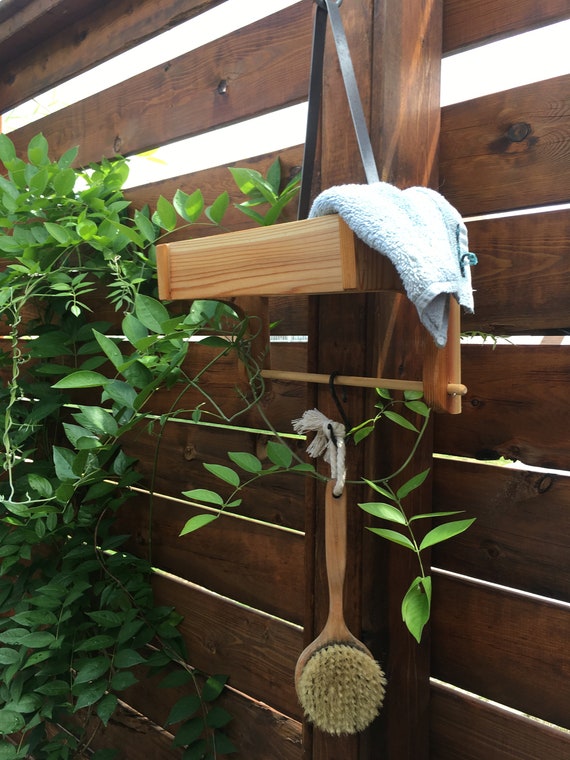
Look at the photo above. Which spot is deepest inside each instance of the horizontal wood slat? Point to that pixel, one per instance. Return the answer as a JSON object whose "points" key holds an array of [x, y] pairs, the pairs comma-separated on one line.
{"points": [[277, 499], [465, 727], [508, 150], [521, 535], [256, 730], [253, 563], [265, 67], [258, 652], [40, 57], [522, 279], [507, 647], [471, 22], [516, 406]]}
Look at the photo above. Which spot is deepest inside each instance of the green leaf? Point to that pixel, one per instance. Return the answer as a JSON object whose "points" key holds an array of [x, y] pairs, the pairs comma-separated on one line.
{"points": [[223, 744], [216, 211], [32, 618], [109, 348], [127, 658], [55, 688], [58, 232], [7, 149], [97, 420], [384, 511], [429, 515], [213, 687], [413, 395], [416, 606], [123, 680], [106, 618], [38, 150], [145, 226], [399, 420], [412, 484], [223, 473], [245, 460], [9, 752], [379, 489], [362, 433], [279, 454], [197, 522], [150, 312], [189, 207], [8, 656], [203, 494], [122, 393], [165, 215], [95, 643], [37, 640], [40, 485], [83, 378], [184, 709], [133, 329], [394, 537], [64, 461], [419, 407], [107, 707], [64, 182], [445, 531], [92, 670], [10, 722], [188, 732], [90, 693], [68, 157], [218, 717]]}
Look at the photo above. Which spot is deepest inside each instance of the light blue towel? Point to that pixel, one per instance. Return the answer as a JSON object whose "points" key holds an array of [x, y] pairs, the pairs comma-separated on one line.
{"points": [[422, 235]]}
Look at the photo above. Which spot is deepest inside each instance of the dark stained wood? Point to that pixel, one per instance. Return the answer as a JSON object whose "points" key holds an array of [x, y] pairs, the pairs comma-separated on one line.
{"points": [[521, 536], [40, 57], [488, 164], [253, 563], [470, 22], [507, 647], [465, 727], [264, 67], [396, 52], [516, 406], [255, 729], [522, 279], [27, 23], [258, 652]]}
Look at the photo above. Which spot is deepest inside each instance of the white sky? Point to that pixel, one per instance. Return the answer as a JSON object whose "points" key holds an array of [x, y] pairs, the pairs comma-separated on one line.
{"points": [[531, 57]]}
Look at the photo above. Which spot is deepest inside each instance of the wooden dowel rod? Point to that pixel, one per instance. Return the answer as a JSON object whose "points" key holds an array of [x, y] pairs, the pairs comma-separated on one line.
{"points": [[360, 382]]}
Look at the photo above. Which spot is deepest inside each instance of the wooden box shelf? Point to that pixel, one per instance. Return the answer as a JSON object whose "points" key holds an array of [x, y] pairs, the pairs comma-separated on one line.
{"points": [[310, 256]]}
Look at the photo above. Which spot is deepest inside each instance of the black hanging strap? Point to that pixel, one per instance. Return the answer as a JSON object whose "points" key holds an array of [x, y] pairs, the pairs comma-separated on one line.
{"points": [[330, 8]]}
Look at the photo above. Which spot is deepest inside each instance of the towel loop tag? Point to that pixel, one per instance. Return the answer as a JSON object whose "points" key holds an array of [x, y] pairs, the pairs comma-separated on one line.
{"points": [[330, 8]]}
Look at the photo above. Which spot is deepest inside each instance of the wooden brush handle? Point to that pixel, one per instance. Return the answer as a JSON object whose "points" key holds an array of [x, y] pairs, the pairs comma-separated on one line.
{"points": [[335, 549]]}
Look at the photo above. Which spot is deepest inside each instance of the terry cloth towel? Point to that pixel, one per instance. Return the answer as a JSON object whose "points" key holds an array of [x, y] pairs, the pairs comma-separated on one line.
{"points": [[422, 235]]}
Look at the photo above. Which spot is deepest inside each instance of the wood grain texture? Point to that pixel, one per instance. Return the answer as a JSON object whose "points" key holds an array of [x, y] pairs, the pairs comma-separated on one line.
{"points": [[521, 535], [465, 727], [264, 67], [253, 563], [255, 729], [508, 150], [516, 406], [522, 279], [471, 22], [258, 652], [42, 54], [507, 647]]}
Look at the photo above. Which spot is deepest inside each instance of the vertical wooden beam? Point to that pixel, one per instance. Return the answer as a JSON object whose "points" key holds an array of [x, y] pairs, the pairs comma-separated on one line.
{"points": [[396, 50]]}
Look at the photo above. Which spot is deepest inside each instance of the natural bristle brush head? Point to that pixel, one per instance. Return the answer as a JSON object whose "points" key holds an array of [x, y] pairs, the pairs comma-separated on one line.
{"points": [[341, 688]]}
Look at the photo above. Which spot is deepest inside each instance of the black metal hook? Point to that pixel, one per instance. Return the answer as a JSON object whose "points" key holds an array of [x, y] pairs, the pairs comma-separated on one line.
{"points": [[337, 401]]}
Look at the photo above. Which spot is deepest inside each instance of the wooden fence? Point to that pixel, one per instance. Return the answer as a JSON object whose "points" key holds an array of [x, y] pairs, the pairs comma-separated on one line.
{"points": [[250, 586]]}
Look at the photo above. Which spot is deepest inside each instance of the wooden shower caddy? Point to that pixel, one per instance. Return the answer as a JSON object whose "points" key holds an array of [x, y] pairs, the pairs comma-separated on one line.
{"points": [[311, 257]]}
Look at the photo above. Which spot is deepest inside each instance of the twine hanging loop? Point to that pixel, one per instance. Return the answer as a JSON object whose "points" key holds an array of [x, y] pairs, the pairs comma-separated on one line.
{"points": [[329, 440]]}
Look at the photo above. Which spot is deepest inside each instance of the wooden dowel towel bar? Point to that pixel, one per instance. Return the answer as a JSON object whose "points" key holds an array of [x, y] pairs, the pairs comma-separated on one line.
{"points": [[453, 389]]}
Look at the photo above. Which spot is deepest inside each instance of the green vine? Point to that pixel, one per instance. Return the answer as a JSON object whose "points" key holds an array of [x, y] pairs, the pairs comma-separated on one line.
{"points": [[416, 604], [78, 622]]}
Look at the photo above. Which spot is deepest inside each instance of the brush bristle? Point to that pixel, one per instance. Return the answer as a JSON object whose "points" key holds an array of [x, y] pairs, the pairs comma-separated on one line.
{"points": [[341, 689]]}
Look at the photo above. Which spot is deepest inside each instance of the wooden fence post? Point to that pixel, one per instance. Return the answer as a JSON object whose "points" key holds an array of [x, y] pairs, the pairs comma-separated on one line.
{"points": [[396, 50]]}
